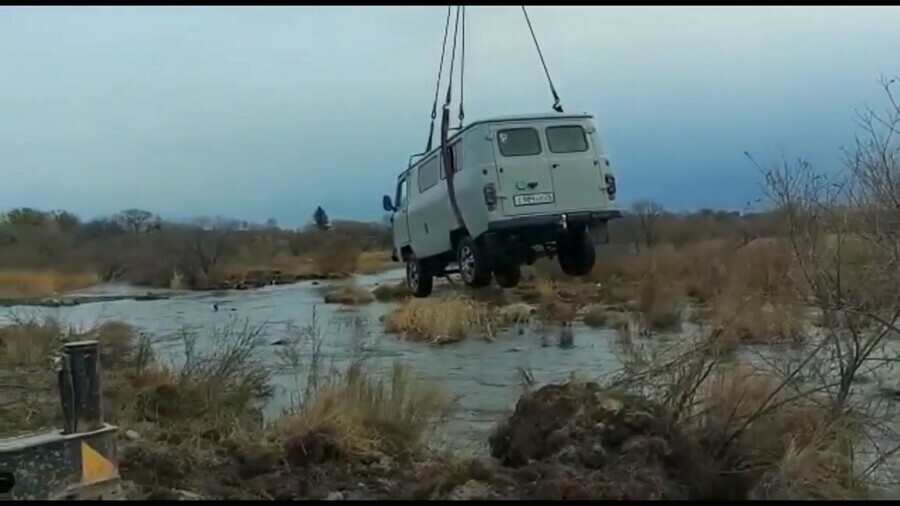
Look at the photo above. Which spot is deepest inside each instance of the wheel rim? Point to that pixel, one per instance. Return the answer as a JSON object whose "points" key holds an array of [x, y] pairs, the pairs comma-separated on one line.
{"points": [[412, 275], [467, 263]]}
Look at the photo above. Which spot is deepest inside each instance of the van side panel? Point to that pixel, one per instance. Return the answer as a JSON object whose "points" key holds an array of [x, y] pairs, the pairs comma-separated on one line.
{"points": [[470, 180], [426, 220], [417, 203]]}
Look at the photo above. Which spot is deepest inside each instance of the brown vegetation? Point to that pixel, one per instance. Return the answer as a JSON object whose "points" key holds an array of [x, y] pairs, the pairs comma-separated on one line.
{"points": [[46, 253], [347, 294], [437, 320]]}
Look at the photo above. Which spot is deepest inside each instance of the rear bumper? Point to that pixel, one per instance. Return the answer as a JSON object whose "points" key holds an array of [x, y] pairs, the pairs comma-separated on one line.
{"points": [[552, 220]]}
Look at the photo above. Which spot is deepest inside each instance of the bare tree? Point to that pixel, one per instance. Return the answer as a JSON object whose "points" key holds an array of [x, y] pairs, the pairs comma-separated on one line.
{"points": [[211, 241], [648, 214], [843, 232], [137, 221]]}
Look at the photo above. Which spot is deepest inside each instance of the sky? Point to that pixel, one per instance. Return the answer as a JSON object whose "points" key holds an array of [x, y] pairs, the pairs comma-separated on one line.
{"points": [[257, 113]]}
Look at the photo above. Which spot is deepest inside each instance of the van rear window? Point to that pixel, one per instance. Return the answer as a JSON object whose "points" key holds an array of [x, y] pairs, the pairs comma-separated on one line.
{"points": [[519, 142], [566, 139]]}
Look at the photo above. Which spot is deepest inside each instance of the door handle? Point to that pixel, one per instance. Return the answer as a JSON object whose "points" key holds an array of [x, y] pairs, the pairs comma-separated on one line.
{"points": [[532, 185], [554, 166]]}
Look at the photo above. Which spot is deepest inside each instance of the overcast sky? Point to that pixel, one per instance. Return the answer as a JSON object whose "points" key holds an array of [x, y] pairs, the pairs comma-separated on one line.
{"points": [[268, 112]]}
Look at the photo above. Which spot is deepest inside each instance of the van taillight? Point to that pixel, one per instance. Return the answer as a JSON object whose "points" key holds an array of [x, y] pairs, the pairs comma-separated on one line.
{"points": [[611, 186], [490, 196]]}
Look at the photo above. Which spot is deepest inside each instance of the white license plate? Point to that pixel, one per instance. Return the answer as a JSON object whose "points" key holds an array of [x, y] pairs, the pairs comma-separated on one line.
{"points": [[532, 199]]}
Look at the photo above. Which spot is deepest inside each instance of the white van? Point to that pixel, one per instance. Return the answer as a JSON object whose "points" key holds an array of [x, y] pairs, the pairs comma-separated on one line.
{"points": [[525, 186]]}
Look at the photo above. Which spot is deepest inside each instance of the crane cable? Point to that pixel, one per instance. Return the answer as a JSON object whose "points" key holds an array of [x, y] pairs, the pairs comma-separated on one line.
{"points": [[462, 68], [446, 154], [437, 85], [556, 105]]}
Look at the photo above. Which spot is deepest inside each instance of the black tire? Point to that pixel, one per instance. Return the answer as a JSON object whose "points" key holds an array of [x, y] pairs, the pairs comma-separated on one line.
{"points": [[419, 278], [473, 264], [576, 252], [508, 276]]}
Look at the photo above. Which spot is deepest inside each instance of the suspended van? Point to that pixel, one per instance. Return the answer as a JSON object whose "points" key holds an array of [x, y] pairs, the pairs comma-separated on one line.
{"points": [[521, 187]]}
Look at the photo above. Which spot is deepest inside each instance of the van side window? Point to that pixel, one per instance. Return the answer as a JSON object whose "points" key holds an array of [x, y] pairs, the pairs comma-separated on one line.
{"points": [[401, 193], [428, 173], [566, 139], [454, 159], [519, 142]]}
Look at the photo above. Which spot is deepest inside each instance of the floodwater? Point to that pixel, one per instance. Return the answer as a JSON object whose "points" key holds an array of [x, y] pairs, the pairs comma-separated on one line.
{"points": [[484, 376]]}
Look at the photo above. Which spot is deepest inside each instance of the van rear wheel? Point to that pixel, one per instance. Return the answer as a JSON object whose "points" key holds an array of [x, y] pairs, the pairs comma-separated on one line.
{"points": [[508, 275], [576, 253], [473, 265], [419, 278]]}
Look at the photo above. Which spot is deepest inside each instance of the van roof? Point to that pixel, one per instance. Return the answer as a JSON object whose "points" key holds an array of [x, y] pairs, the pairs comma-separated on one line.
{"points": [[500, 119]]}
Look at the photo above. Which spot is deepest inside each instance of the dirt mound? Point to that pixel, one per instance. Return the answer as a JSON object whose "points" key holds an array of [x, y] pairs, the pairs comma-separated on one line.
{"points": [[578, 441]]}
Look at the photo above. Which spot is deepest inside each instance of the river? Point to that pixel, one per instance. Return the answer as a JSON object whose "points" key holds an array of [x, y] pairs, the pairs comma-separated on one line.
{"points": [[484, 376]]}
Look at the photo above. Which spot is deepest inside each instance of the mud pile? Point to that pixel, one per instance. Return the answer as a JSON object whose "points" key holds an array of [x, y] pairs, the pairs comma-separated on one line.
{"points": [[578, 441], [565, 441]]}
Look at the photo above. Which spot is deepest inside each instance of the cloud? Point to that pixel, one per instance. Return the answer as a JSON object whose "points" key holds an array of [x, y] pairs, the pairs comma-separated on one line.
{"points": [[268, 112]]}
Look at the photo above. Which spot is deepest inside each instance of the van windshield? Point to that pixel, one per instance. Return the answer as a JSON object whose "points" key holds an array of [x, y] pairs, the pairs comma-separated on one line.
{"points": [[519, 142], [566, 139]]}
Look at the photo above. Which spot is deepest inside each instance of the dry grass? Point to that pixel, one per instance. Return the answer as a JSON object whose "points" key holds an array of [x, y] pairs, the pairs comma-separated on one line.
{"points": [[347, 294], [389, 293], [337, 255], [516, 313], [661, 304], [15, 284], [438, 320], [373, 262], [362, 414], [596, 317], [752, 317], [789, 444]]}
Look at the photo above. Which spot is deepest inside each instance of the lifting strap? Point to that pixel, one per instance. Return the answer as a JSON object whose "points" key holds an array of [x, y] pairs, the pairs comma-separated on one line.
{"points": [[556, 105]]}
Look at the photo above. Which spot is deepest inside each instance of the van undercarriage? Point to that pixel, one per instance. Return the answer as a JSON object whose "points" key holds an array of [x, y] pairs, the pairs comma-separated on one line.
{"points": [[510, 243]]}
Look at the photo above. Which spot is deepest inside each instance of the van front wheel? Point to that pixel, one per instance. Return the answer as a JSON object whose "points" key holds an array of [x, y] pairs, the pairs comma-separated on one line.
{"points": [[418, 277], [576, 253], [473, 266]]}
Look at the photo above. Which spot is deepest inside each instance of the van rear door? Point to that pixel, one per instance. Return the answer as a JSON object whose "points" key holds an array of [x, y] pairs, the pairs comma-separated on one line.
{"points": [[575, 167], [526, 186]]}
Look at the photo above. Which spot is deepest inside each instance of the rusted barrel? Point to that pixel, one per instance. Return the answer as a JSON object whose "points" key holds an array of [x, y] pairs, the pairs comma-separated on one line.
{"points": [[79, 387]]}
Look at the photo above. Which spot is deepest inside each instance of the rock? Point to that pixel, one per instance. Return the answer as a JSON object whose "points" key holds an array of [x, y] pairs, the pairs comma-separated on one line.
{"points": [[516, 313], [314, 447], [186, 495], [566, 337], [315, 283], [132, 435], [469, 490], [593, 457], [483, 469], [334, 496], [567, 293]]}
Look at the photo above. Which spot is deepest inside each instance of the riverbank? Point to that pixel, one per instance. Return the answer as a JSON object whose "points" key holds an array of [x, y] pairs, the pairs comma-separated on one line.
{"points": [[363, 432], [51, 289]]}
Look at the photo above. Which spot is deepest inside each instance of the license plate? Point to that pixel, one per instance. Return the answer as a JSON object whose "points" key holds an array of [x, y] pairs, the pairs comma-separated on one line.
{"points": [[533, 199]]}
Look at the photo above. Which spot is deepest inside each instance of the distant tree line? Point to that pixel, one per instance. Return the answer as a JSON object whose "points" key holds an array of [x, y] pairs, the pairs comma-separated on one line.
{"points": [[140, 247]]}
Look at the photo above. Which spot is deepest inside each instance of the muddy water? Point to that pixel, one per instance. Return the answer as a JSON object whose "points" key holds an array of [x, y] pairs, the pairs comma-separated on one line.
{"points": [[482, 375]]}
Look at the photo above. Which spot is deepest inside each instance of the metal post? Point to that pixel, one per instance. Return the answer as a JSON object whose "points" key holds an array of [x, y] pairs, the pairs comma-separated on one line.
{"points": [[79, 387]]}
